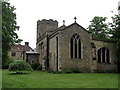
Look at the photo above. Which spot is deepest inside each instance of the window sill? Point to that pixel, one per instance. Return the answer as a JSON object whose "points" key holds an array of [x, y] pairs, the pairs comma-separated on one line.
{"points": [[104, 63]]}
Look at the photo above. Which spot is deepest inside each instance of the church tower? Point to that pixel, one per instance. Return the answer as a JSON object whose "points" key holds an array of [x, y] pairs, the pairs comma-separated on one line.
{"points": [[45, 25]]}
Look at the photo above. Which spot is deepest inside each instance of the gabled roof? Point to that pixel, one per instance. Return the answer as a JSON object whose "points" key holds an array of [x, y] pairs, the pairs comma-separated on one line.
{"points": [[21, 47], [77, 25], [65, 27]]}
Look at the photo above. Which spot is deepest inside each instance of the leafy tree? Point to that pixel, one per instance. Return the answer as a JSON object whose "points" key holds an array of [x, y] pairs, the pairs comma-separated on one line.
{"points": [[9, 26], [115, 31], [19, 66], [99, 28]]}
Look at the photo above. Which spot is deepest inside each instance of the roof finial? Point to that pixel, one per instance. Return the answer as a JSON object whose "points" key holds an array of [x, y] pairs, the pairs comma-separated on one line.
{"points": [[75, 19], [63, 22]]}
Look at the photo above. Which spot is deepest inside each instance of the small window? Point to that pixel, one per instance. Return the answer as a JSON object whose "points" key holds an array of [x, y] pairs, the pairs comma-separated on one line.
{"points": [[13, 54]]}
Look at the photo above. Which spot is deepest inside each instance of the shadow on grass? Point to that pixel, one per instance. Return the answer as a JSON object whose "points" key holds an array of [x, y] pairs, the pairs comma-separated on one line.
{"points": [[18, 73]]}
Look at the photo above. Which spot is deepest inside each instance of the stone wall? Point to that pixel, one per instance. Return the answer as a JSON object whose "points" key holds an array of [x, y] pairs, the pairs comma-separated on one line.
{"points": [[113, 57], [45, 25], [66, 62], [61, 60], [53, 53]]}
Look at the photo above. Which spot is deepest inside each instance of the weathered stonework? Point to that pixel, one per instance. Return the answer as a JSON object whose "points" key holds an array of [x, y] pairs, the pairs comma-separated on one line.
{"points": [[54, 46]]}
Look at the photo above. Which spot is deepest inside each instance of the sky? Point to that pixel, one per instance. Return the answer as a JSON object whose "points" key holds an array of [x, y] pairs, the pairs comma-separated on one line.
{"points": [[30, 11]]}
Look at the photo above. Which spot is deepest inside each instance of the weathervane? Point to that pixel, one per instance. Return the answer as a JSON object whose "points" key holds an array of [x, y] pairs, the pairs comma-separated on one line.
{"points": [[75, 19]]}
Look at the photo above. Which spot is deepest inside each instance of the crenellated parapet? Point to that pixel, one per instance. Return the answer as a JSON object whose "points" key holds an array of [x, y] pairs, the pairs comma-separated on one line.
{"points": [[45, 25]]}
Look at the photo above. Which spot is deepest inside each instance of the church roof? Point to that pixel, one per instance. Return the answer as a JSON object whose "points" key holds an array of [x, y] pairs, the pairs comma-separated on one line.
{"points": [[77, 25], [65, 27]]}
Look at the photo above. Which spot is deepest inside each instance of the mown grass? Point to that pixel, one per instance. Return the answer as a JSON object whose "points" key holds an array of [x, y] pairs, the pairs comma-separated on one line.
{"points": [[37, 79]]}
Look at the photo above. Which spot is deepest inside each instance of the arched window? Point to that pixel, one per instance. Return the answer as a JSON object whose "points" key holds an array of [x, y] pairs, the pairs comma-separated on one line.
{"points": [[103, 55], [75, 46]]}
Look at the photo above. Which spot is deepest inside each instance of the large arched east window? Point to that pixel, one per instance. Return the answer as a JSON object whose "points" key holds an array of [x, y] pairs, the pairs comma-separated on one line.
{"points": [[75, 46], [103, 55]]}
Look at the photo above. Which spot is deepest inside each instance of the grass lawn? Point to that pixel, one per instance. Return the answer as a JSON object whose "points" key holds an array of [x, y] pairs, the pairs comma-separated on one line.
{"points": [[37, 79]]}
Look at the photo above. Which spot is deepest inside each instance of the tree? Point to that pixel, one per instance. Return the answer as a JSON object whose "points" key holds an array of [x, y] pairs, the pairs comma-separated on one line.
{"points": [[99, 28], [115, 31], [9, 26]]}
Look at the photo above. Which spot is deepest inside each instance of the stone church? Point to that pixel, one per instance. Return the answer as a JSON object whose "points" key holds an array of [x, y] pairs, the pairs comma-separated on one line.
{"points": [[71, 47]]}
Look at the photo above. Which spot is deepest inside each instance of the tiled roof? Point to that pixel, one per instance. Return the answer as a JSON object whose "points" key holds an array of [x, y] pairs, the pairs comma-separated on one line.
{"points": [[21, 47]]}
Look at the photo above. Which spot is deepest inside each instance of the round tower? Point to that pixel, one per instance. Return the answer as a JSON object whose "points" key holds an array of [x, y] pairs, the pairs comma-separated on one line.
{"points": [[45, 25]]}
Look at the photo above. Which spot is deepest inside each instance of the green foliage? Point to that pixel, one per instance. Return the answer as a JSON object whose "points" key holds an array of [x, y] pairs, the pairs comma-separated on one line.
{"points": [[115, 27], [76, 70], [59, 72], [115, 31], [35, 65], [39, 67], [19, 66], [99, 28], [9, 26], [10, 60], [54, 72], [67, 71], [49, 71]]}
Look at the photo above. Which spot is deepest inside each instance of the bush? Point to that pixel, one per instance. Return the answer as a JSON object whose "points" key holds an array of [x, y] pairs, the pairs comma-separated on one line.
{"points": [[59, 72], [76, 70], [35, 65], [49, 71], [54, 72], [67, 71], [19, 66], [39, 67]]}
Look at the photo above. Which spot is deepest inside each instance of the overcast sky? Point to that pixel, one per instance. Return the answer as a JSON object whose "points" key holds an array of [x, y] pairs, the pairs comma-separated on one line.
{"points": [[29, 11]]}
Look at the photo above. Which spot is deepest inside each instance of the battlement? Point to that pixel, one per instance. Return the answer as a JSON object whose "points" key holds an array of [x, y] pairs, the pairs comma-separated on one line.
{"points": [[46, 25], [49, 22]]}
